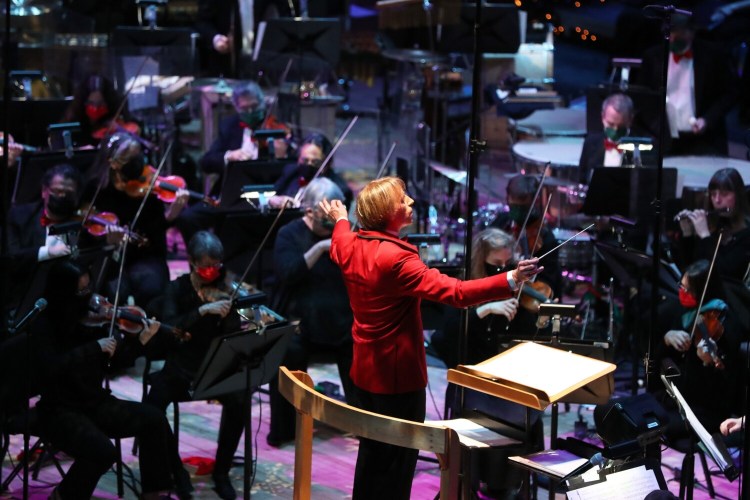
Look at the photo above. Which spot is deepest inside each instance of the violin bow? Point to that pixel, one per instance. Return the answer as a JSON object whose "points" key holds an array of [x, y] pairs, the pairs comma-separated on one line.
{"points": [[124, 242], [275, 102], [528, 213], [536, 240], [380, 173], [323, 165], [705, 286]]}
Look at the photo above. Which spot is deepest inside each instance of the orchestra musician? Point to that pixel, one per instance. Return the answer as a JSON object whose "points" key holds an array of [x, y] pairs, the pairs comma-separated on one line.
{"points": [[386, 281], [312, 152], [198, 302], [701, 89], [600, 148], [310, 287], [95, 102], [520, 196], [146, 272], [726, 211], [708, 359], [77, 414]]}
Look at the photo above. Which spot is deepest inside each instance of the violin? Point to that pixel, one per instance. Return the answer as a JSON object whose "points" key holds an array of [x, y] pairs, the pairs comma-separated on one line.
{"points": [[165, 187], [96, 224], [129, 319], [710, 327], [532, 233], [534, 293]]}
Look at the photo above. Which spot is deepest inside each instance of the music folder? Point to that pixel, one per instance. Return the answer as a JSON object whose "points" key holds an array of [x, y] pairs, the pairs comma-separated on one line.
{"points": [[530, 374]]}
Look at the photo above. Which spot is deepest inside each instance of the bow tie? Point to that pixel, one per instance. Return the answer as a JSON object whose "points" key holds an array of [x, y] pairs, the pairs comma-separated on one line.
{"points": [[45, 221], [688, 54], [244, 125], [610, 145]]}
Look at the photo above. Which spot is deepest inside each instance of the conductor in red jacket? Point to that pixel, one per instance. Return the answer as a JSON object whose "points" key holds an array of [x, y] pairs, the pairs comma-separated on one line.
{"points": [[386, 281]]}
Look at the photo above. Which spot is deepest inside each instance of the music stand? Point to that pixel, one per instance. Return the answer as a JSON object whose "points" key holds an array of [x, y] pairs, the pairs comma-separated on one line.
{"points": [[241, 173], [238, 362], [499, 30], [316, 42], [34, 165], [626, 191]]}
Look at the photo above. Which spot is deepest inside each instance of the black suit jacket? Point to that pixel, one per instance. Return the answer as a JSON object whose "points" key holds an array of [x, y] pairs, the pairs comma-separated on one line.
{"points": [[25, 234], [230, 137], [592, 156], [714, 92]]}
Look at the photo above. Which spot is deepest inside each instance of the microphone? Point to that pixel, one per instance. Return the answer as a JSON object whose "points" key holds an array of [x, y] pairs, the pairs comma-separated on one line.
{"points": [[668, 9], [68, 142], [39, 306], [596, 459]]}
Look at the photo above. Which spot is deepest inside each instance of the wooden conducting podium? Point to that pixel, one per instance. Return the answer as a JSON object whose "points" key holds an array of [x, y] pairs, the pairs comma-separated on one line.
{"points": [[531, 375]]}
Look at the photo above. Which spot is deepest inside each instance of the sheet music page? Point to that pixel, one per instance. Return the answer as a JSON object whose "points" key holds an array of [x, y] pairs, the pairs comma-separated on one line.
{"points": [[701, 431], [551, 370], [557, 463], [472, 434], [628, 484]]}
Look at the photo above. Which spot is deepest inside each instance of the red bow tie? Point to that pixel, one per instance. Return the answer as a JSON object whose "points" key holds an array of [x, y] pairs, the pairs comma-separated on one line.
{"points": [[610, 145], [45, 221], [244, 125], [688, 54]]}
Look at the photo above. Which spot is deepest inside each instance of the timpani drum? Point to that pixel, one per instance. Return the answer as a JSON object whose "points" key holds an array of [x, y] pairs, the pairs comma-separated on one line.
{"points": [[558, 122], [696, 171]]}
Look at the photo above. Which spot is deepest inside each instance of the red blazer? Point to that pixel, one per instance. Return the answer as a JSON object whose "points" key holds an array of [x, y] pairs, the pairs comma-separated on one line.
{"points": [[386, 282]]}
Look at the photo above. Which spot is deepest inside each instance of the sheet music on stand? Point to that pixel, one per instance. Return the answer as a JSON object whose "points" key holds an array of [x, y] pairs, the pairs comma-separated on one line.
{"points": [[713, 444], [631, 481]]}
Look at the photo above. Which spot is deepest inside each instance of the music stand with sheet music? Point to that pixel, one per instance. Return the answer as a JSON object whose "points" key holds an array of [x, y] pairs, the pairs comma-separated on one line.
{"points": [[628, 481], [531, 375], [241, 361], [241, 173]]}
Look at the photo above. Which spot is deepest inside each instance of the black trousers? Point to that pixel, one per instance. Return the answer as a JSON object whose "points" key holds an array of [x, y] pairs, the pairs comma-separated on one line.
{"points": [[384, 470], [168, 386], [144, 279], [86, 436], [297, 357]]}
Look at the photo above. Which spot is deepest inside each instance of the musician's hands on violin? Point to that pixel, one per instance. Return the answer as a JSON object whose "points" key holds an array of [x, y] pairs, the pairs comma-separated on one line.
{"points": [[55, 247], [115, 234], [108, 345], [221, 44], [149, 330], [219, 308], [678, 340], [237, 155], [507, 308], [335, 210], [180, 202], [704, 350], [526, 270]]}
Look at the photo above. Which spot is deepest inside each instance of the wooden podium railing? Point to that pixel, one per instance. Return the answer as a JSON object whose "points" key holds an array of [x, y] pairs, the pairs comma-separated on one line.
{"points": [[297, 388]]}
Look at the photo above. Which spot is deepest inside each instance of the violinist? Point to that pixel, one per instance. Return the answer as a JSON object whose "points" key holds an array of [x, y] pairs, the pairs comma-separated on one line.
{"points": [[312, 152], [146, 272], [708, 357], [310, 287], [198, 302], [520, 192], [94, 105], [726, 212], [77, 414]]}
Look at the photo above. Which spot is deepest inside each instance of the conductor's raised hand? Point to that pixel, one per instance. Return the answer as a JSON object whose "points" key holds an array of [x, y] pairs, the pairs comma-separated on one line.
{"points": [[526, 270], [335, 210]]}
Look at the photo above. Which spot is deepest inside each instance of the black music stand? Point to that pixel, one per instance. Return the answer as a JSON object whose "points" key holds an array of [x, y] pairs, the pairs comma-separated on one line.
{"points": [[241, 173], [34, 165], [626, 191], [241, 361], [500, 30], [316, 43]]}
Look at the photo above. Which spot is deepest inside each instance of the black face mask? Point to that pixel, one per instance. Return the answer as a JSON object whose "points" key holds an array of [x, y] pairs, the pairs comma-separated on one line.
{"points": [[133, 169], [517, 213], [63, 206]]}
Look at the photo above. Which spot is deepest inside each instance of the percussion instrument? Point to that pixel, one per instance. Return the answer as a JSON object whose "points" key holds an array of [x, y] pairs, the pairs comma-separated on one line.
{"points": [[559, 122]]}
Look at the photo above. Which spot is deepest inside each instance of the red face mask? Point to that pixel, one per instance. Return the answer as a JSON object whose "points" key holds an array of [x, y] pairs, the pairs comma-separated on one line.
{"points": [[96, 112], [686, 299], [209, 273]]}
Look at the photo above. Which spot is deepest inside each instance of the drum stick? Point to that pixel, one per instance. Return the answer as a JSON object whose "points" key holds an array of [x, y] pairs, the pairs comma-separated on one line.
{"points": [[564, 242]]}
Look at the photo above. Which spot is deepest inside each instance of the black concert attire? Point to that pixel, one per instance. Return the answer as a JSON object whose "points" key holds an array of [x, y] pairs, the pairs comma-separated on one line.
{"points": [[180, 308], [592, 155], [712, 393], [146, 272], [221, 17], [318, 297], [732, 259], [714, 90], [294, 175], [80, 417]]}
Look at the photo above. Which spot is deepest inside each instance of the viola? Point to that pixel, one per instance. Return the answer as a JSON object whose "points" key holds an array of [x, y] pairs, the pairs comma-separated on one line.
{"points": [[128, 319], [165, 188], [96, 224], [709, 328]]}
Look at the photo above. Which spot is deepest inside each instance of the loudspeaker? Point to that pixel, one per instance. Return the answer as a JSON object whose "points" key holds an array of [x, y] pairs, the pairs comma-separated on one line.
{"points": [[625, 419]]}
